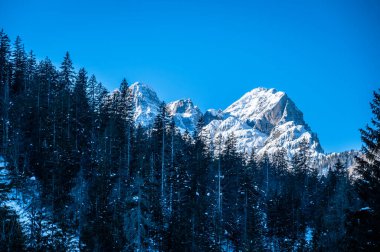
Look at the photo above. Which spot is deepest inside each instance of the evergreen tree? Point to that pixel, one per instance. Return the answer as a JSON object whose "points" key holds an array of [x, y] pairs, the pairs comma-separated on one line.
{"points": [[333, 220], [67, 78], [5, 85], [201, 235], [252, 229], [368, 183], [180, 218], [19, 68], [95, 93], [81, 110], [136, 214], [232, 201], [160, 151]]}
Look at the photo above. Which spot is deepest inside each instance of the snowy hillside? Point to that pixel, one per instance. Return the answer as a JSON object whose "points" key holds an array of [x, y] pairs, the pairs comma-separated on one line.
{"points": [[25, 202]]}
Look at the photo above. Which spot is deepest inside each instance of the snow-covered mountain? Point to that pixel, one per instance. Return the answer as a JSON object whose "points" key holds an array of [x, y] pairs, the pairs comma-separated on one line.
{"points": [[147, 103], [264, 108], [265, 120], [185, 114]]}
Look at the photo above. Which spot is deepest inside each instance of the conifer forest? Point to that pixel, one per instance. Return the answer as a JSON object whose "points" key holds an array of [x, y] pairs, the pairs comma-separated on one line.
{"points": [[79, 173]]}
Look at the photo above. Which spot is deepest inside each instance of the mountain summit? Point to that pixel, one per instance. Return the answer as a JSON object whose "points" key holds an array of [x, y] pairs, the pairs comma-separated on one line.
{"points": [[185, 114], [146, 104], [264, 109], [264, 120]]}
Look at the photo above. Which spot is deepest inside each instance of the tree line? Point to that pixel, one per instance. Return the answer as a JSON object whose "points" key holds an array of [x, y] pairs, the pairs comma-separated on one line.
{"points": [[120, 187]]}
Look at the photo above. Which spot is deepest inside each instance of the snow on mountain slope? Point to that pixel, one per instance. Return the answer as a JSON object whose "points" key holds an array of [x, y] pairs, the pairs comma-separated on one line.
{"points": [[246, 136], [264, 120], [146, 104], [265, 108], [185, 114], [288, 135], [213, 114]]}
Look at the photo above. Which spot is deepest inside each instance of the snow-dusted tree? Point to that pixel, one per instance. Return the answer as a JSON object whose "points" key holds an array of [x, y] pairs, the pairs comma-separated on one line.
{"points": [[300, 161]]}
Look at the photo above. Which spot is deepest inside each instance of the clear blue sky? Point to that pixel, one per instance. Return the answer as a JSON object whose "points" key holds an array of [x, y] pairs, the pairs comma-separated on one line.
{"points": [[324, 54]]}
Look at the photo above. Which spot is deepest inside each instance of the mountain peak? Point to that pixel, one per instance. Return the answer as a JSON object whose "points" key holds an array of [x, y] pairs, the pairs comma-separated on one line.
{"points": [[141, 87], [263, 89], [266, 114], [181, 106], [184, 113], [146, 103], [259, 104]]}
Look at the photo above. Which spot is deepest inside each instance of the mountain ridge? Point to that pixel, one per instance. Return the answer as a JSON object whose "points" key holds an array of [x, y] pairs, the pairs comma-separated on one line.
{"points": [[263, 119]]}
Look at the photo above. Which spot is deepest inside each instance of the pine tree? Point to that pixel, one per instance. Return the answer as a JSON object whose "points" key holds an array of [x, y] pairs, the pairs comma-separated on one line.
{"points": [[95, 93], [17, 111], [67, 78], [232, 201], [279, 168], [301, 159], [180, 217], [368, 183], [81, 109], [28, 109], [251, 234], [160, 138], [19, 68], [67, 73], [127, 108], [265, 173], [5, 85], [198, 163], [333, 220]]}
